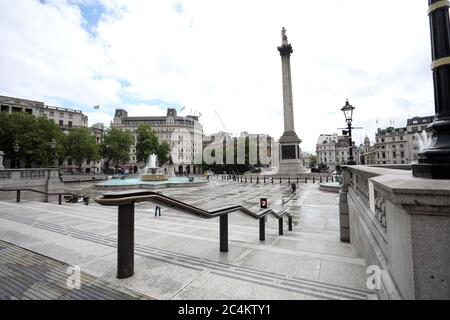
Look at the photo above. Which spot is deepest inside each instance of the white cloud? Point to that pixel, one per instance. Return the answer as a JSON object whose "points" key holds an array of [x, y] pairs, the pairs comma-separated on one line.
{"points": [[221, 55]]}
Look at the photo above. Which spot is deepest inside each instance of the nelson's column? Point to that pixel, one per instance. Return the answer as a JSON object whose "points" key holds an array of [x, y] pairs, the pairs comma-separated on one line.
{"points": [[290, 152]]}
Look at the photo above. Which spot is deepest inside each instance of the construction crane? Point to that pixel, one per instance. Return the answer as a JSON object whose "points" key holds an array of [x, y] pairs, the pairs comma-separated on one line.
{"points": [[223, 125]]}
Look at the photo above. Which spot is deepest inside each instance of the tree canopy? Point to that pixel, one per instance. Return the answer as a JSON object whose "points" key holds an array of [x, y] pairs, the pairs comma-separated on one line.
{"points": [[147, 144], [33, 136], [116, 146], [80, 146]]}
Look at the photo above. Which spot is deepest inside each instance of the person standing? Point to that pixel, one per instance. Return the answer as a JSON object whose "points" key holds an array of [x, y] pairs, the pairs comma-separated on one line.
{"points": [[157, 210]]}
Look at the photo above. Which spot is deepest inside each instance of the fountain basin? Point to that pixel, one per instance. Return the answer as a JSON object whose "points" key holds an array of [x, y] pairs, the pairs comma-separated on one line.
{"points": [[137, 183], [154, 177]]}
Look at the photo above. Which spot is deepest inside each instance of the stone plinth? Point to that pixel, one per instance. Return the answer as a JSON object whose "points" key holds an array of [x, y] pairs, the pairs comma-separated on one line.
{"points": [[402, 225]]}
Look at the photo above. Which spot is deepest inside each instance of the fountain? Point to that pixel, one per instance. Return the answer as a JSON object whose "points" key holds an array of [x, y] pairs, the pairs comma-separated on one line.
{"points": [[152, 172], [152, 177], [424, 140]]}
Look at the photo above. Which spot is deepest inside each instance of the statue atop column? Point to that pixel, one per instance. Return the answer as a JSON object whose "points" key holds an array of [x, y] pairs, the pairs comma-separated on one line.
{"points": [[284, 37]]}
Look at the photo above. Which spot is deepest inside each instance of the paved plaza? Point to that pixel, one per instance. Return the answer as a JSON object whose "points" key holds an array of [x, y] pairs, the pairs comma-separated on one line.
{"points": [[177, 255]]}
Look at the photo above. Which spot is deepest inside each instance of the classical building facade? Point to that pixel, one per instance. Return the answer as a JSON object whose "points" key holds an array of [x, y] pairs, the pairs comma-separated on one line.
{"points": [[183, 134], [333, 150], [66, 118], [398, 145]]}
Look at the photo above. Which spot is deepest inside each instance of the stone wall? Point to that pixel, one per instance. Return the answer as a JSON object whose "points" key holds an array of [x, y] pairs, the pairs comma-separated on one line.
{"points": [[46, 180], [402, 225]]}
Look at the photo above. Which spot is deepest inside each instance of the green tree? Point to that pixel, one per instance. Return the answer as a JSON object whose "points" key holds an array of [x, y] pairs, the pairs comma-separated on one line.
{"points": [[312, 160], [33, 136], [80, 146], [147, 143], [116, 146], [163, 153]]}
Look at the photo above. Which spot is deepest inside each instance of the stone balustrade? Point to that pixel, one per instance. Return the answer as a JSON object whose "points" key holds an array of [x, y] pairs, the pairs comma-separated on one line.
{"points": [[42, 179], [402, 225]]}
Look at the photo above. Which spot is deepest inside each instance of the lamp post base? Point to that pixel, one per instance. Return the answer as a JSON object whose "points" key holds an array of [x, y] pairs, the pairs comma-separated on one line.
{"points": [[431, 171]]}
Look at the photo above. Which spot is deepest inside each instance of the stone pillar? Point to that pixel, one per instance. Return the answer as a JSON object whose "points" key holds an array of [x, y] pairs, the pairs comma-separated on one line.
{"points": [[1, 160], [290, 161], [434, 162], [344, 223]]}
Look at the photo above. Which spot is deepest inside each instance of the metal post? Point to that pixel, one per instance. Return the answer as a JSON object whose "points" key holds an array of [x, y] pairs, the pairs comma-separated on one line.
{"points": [[60, 199], [289, 180], [18, 196], [297, 180], [327, 179], [272, 180], [290, 223], [434, 161], [314, 179], [281, 181], [257, 180], [306, 180], [223, 233], [125, 242], [280, 226], [262, 229], [264, 180], [251, 179]]}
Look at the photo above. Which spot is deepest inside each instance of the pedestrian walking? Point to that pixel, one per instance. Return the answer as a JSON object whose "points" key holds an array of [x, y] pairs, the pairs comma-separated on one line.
{"points": [[294, 187], [157, 210]]}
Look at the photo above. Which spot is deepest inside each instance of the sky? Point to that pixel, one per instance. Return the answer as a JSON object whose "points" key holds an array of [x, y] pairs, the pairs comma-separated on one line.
{"points": [[219, 58]]}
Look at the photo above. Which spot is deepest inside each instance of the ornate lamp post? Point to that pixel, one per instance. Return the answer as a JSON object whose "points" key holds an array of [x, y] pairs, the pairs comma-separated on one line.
{"points": [[348, 113], [16, 148], [53, 146], [434, 162]]}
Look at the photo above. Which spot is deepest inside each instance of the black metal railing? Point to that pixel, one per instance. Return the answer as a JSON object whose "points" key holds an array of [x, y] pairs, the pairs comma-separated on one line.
{"points": [[277, 180], [126, 200], [73, 197]]}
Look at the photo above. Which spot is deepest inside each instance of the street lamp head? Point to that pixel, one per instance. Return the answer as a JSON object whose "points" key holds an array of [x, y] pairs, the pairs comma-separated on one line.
{"points": [[348, 111], [53, 144], [16, 147]]}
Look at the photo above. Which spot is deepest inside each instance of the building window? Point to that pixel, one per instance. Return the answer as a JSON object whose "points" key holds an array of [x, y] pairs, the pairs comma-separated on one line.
{"points": [[52, 114], [384, 155], [70, 124], [402, 154], [61, 122], [70, 116], [61, 114]]}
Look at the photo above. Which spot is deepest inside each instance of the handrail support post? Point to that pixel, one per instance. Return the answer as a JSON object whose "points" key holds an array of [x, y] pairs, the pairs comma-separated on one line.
{"points": [[262, 229], [223, 233], [125, 241]]}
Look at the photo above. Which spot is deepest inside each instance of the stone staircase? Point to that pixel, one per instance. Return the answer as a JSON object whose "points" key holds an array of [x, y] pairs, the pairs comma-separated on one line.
{"points": [[308, 263]]}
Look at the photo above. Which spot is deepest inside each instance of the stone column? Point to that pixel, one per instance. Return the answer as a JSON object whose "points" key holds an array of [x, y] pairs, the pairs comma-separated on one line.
{"points": [[434, 162], [1, 160], [344, 222]]}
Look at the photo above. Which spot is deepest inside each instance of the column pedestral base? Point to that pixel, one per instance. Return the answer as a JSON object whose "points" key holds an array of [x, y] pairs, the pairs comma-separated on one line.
{"points": [[431, 171]]}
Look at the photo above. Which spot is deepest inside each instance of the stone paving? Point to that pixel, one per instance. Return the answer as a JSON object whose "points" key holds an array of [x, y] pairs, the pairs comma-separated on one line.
{"points": [[177, 255]]}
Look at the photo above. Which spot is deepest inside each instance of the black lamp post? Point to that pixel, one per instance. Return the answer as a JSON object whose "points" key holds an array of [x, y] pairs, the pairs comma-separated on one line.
{"points": [[16, 148], [53, 146], [434, 162], [348, 113]]}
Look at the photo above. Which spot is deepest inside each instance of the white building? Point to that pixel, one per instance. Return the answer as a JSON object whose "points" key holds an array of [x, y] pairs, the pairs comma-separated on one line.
{"points": [[183, 134], [334, 150]]}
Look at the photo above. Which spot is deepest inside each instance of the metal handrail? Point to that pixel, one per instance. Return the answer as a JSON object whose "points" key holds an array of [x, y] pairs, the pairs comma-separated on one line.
{"points": [[126, 200], [47, 194]]}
